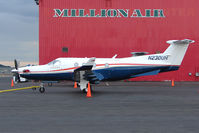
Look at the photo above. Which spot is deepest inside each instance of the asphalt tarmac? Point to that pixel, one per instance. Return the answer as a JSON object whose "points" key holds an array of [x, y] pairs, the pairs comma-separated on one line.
{"points": [[121, 107]]}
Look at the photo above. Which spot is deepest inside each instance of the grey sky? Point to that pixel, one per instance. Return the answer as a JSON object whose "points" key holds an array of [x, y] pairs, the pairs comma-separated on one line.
{"points": [[19, 29]]}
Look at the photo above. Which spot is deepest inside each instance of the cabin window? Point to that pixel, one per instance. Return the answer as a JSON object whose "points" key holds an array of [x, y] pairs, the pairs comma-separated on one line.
{"points": [[106, 65], [76, 64], [55, 62]]}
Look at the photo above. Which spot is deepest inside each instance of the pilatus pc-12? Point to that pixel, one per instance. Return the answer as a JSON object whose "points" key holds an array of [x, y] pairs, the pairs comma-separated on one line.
{"points": [[94, 70]]}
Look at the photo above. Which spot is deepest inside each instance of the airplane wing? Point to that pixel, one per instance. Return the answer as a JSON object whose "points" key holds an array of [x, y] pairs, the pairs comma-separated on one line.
{"points": [[91, 77], [85, 73], [87, 66]]}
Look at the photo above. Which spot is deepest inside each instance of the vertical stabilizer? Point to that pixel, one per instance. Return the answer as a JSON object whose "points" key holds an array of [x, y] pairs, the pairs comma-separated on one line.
{"points": [[177, 50]]}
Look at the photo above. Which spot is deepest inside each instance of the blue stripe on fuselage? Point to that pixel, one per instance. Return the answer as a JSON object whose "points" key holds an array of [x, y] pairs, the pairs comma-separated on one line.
{"points": [[120, 73], [109, 74]]}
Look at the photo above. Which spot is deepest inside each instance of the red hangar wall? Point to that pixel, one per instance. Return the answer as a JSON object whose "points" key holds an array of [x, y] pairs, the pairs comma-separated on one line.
{"points": [[103, 28]]}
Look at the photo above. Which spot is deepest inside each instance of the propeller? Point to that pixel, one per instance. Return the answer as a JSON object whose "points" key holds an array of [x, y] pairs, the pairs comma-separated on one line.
{"points": [[16, 64], [16, 75]]}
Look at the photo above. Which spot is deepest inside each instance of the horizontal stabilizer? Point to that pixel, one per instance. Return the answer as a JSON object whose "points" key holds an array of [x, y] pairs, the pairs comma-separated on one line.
{"points": [[185, 41]]}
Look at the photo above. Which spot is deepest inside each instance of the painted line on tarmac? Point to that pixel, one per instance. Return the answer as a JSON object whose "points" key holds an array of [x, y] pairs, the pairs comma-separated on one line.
{"points": [[19, 89]]}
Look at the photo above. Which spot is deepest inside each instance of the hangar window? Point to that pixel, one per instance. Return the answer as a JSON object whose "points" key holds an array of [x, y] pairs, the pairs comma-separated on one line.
{"points": [[65, 49]]}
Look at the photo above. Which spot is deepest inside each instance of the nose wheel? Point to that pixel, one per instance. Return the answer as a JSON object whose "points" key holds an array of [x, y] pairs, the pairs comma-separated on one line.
{"points": [[41, 89]]}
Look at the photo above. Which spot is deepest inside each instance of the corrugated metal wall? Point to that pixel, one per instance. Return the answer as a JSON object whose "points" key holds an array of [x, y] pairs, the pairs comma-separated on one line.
{"points": [[104, 37]]}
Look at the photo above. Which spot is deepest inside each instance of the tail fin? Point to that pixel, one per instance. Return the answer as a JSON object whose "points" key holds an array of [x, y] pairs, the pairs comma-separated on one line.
{"points": [[177, 50]]}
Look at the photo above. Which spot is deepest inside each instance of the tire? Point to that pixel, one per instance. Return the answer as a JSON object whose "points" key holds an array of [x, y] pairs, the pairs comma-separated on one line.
{"points": [[84, 90], [41, 89]]}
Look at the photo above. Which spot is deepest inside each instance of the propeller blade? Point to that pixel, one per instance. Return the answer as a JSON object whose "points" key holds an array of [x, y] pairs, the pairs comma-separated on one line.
{"points": [[16, 64], [16, 74]]}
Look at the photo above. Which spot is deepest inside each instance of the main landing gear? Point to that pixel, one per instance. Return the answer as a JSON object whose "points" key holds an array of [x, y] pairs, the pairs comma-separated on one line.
{"points": [[41, 88]]}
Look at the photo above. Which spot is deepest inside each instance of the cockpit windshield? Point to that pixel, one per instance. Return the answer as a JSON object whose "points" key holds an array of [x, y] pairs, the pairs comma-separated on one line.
{"points": [[54, 62]]}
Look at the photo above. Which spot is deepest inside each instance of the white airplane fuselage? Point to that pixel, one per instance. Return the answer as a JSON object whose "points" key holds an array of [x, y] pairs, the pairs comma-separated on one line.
{"points": [[109, 68], [93, 70]]}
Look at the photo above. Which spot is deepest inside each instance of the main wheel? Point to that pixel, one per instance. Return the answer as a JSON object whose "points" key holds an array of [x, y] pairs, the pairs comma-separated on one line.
{"points": [[41, 89]]}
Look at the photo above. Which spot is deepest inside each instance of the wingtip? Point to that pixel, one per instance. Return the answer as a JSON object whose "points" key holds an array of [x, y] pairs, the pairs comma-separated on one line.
{"points": [[189, 40], [184, 41]]}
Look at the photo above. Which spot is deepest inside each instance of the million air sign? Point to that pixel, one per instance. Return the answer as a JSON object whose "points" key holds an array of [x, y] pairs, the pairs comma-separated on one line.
{"points": [[100, 13]]}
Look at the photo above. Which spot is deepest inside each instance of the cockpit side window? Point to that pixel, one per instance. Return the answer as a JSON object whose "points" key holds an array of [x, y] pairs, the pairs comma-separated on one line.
{"points": [[55, 62]]}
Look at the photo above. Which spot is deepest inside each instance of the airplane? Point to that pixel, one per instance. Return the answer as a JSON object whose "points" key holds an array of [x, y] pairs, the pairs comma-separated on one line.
{"points": [[94, 70]]}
